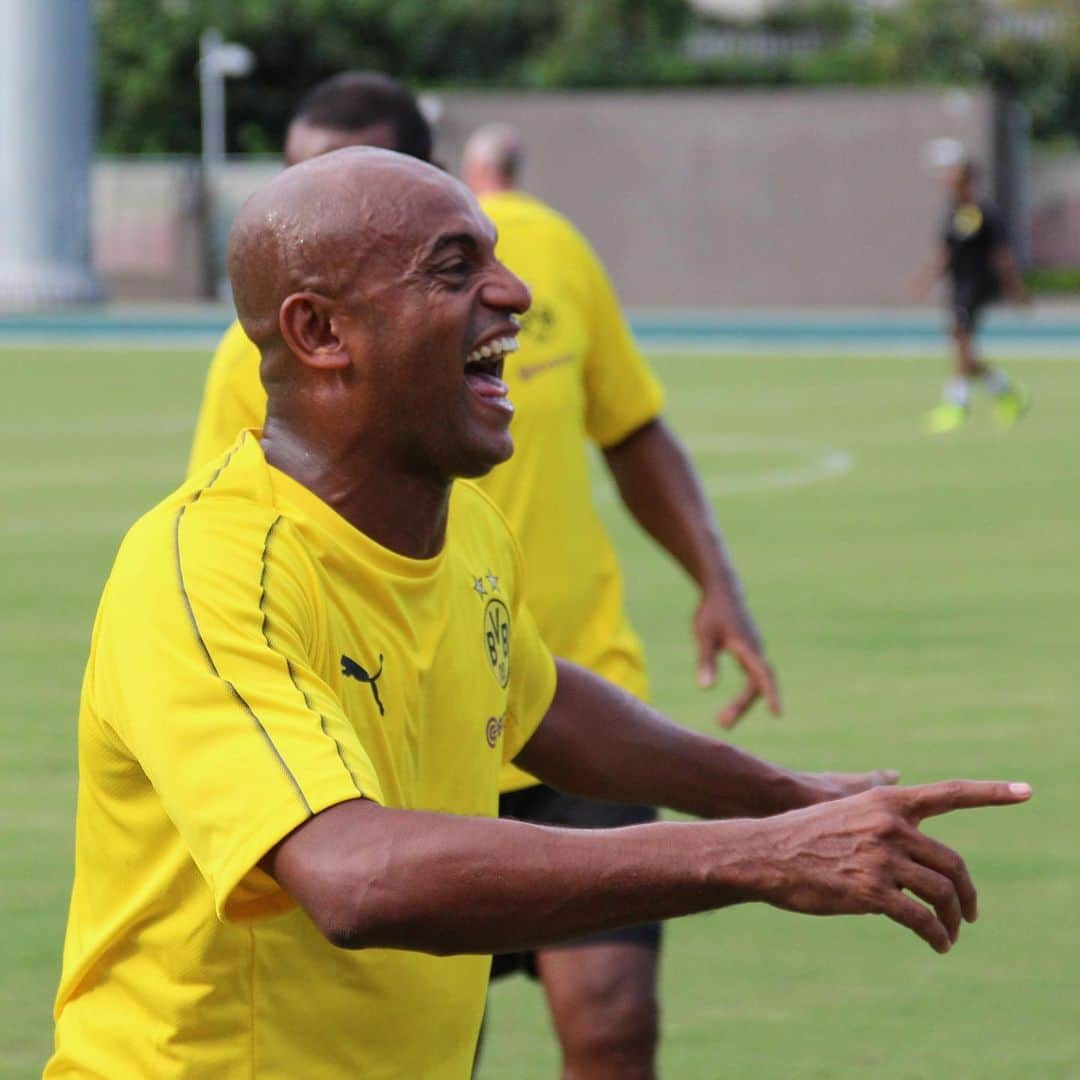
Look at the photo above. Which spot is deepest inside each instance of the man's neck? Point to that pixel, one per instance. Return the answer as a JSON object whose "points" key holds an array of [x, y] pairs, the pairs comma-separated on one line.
{"points": [[404, 512]]}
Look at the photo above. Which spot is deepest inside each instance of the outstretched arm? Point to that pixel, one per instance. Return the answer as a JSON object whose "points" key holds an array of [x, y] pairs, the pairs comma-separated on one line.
{"points": [[372, 877], [599, 741], [658, 484], [934, 268]]}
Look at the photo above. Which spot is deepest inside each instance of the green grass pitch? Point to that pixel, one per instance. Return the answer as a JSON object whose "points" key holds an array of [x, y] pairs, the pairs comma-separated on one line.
{"points": [[920, 598]]}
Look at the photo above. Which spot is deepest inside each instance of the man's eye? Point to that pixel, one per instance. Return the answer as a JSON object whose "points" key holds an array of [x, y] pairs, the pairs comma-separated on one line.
{"points": [[458, 268]]}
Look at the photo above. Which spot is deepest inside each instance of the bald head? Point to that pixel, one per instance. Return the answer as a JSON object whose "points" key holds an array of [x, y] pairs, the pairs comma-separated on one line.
{"points": [[321, 225], [492, 159], [369, 282]]}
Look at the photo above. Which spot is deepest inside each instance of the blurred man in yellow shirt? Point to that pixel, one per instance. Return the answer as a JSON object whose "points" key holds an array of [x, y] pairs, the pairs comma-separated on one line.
{"points": [[578, 379]]}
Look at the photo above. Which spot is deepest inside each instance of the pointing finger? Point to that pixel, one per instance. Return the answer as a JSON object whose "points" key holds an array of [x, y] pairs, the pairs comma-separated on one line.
{"points": [[929, 800]]}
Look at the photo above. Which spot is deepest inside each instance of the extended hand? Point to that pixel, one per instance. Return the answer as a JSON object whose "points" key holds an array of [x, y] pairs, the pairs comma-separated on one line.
{"points": [[721, 624], [865, 855]]}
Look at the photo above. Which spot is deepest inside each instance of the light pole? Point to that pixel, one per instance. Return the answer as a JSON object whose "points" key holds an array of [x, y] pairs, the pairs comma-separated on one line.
{"points": [[218, 60]]}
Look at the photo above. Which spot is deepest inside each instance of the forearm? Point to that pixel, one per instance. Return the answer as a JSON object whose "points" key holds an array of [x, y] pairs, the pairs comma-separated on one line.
{"points": [[602, 742], [444, 884], [659, 486], [934, 268]]}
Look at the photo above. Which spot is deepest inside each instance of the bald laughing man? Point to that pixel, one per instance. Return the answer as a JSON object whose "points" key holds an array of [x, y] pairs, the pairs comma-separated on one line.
{"points": [[298, 701], [578, 379]]}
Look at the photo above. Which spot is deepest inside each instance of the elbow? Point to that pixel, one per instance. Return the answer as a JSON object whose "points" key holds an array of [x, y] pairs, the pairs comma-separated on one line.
{"points": [[346, 929], [370, 911], [363, 926], [351, 915]]}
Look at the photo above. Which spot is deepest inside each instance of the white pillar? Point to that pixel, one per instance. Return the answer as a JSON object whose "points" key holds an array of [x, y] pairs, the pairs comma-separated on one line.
{"points": [[47, 98]]}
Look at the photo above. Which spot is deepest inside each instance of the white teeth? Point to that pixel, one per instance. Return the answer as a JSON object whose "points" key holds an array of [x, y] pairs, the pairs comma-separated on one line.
{"points": [[498, 347]]}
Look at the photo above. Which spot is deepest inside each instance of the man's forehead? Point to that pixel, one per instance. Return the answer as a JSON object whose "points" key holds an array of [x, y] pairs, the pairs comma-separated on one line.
{"points": [[448, 215]]}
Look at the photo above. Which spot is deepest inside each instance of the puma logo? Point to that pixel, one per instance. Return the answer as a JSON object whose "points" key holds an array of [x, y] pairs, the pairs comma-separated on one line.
{"points": [[352, 670]]}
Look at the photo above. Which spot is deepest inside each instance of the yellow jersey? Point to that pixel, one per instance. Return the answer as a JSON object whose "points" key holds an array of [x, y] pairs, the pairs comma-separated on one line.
{"points": [[577, 378], [233, 398], [255, 659]]}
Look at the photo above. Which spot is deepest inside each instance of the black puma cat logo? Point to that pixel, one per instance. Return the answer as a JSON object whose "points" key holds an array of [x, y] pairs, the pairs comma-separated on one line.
{"points": [[352, 670]]}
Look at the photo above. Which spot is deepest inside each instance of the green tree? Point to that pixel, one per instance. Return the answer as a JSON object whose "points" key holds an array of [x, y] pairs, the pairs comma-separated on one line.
{"points": [[148, 50]]}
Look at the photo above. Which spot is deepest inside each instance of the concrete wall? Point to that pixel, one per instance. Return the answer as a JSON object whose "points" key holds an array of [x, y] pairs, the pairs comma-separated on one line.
{"points": [[693, 199], [740, 198], [1055, 226]]}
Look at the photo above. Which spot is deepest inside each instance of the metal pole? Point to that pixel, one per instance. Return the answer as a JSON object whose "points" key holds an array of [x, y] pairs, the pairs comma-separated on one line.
{"points": [[212, 110], [212, 99], [46, 131], [218, 60]]}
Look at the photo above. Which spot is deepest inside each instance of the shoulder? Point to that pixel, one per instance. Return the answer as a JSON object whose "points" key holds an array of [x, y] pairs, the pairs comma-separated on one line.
{"points": [[472, 510], [518, 210], [478, 527], [991, 215], [220, 516]]}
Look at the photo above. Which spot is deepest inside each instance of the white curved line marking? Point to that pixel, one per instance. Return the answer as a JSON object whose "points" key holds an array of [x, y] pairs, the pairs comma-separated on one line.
{"points": [[812, 464]]}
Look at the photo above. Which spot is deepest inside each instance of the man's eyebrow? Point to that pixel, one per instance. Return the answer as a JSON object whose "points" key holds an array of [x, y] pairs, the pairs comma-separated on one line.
{"points": [[462, 239]]}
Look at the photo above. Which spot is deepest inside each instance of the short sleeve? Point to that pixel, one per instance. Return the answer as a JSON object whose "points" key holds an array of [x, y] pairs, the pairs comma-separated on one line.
{"points": [[532, 683], [993, 231], [622, 394], [233, 398], [214, 691]]}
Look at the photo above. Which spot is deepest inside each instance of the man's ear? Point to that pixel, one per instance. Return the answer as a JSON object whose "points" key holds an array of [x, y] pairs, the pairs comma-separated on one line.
{"points": [[308, 329]]}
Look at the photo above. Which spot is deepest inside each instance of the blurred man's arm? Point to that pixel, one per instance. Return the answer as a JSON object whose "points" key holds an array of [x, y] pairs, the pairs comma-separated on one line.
{"points": [[658, 484], [933, 269], [373, 877]]}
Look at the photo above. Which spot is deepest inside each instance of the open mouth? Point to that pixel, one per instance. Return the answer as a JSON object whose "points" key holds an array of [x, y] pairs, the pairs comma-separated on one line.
{"points": [[483, 374], [486, 362]]}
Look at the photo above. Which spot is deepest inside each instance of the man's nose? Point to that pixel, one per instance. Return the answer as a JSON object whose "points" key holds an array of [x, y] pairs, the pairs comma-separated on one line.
{"points": [[507, 291]]}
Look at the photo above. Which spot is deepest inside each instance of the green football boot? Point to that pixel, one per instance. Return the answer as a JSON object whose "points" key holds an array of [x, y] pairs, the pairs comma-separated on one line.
{"points": [[1010, 406], [946, 417]]}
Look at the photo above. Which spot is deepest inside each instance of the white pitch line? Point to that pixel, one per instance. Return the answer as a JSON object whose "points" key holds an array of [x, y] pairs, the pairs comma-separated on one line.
{"points": [[813, 464]]}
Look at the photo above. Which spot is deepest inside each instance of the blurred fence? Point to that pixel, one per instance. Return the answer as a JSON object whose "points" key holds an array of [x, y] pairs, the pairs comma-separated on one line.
{"points": [[693, 199]]}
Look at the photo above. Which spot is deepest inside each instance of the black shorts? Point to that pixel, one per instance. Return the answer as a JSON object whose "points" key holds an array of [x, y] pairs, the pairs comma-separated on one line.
{"points": [[967, 305], [543, 805]]}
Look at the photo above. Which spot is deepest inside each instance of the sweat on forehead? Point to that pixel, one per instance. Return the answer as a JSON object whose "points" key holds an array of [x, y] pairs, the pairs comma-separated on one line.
{"points": [[290, 234]]}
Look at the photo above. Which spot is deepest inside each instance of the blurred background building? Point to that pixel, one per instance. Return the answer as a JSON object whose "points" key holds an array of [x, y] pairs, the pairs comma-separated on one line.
{"points": [[716, 152]]}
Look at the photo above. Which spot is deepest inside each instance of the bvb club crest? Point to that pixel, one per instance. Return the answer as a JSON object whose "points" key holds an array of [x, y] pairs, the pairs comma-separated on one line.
{"points": [[497, 639]]}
